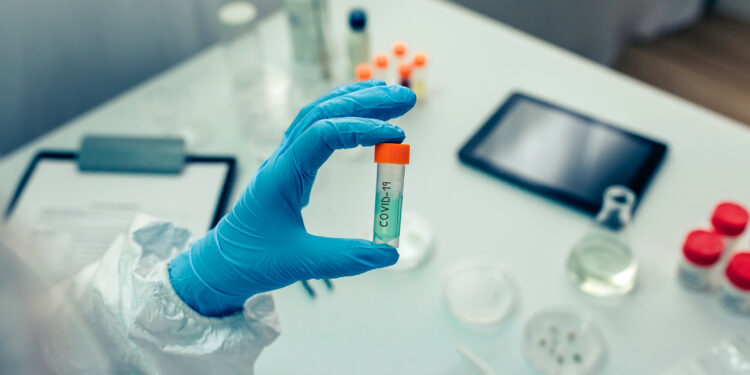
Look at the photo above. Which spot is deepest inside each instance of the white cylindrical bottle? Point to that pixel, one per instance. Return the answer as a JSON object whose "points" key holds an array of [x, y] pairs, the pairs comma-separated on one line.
{"points": [[392, 159], [701, 253], [358, 40], [735, 291], [729, 220]]}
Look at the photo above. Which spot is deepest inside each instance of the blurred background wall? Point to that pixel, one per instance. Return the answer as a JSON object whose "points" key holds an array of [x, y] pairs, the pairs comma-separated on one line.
{"points": [[592, 28], [734, 8], [61, 58]]}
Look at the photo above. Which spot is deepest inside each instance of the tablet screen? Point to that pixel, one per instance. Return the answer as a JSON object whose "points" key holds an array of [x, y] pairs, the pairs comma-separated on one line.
{"points": [[567, 154]]}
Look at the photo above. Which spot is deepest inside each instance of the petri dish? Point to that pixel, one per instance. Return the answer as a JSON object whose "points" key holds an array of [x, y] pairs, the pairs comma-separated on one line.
{"points": [[563, 343], [415, 242], [478, 293]]}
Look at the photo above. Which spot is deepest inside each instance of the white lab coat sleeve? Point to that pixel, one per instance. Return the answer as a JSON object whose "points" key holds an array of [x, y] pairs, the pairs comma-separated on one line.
{"points": [[128, 304]]}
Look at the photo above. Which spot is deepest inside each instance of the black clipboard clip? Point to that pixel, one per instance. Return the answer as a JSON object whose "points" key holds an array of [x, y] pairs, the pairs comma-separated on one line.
{"points": [[132, 155]]}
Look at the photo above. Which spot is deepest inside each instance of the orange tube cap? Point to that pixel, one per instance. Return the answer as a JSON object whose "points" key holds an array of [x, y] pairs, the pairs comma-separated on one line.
{"points": [[399, 49], [392, 153], [363, 72], [420, 59]]}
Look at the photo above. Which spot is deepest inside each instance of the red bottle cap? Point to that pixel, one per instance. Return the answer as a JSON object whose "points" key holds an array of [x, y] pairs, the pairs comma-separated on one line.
{"points": [[738, 271], [702, 247], [730, 219]]}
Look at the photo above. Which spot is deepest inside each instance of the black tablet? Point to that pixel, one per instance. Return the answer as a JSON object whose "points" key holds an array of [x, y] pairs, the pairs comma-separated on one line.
{"points": [[561, 154]]}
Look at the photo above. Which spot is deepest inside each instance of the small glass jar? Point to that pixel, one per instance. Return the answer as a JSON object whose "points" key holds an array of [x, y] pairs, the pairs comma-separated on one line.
{"points": [[735, 291], [729, 220], [701, 253]]}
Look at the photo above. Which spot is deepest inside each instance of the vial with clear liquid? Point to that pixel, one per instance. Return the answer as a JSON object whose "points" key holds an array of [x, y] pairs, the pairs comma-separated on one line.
{"points": [[601, 264], [392, 159]]}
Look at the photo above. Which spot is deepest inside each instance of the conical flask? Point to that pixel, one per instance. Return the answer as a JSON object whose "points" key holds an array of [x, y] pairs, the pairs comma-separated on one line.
{"points": [[601, 264]]}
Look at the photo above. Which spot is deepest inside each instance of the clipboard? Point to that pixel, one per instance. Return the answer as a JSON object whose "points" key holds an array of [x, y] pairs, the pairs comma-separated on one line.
{"points": [[66, 204]]}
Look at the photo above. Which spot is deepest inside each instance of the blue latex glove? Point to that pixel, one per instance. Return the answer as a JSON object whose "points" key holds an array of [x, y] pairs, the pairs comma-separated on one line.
{"points": [[262, 244]]}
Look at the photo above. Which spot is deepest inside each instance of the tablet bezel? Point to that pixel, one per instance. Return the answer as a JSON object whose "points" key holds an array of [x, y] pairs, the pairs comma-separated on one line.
{"points": [[640, 181]]}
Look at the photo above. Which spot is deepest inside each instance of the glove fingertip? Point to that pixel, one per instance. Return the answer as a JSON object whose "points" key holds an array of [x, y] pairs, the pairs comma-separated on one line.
{"points": [[382, 133], [387, 255], [403, 95]]}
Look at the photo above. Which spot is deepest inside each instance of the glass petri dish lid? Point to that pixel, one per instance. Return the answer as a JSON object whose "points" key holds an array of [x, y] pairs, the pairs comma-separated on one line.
{"points": [[478, 292]]}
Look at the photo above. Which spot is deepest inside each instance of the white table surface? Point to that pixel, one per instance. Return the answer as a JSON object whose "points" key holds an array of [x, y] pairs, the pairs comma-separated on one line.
{"points": [[391, 322]]}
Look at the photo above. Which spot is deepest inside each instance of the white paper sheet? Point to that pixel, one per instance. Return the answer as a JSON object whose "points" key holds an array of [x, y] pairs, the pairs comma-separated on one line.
{"points": [[66, 219]]}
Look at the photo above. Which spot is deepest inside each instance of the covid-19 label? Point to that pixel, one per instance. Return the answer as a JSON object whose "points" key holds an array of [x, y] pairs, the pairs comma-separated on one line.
{"points": [[387, 212]]}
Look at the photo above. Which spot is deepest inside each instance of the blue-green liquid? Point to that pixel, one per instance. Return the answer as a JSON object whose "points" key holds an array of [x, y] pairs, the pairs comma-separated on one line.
{"points": [[387, 227]]}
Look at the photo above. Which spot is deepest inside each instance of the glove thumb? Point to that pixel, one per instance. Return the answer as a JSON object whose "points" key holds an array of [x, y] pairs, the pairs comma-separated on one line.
{"points": [[338, 257]]}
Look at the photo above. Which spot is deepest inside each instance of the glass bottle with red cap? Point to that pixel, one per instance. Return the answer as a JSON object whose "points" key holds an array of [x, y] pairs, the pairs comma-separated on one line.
{"points": [[392, 159], [701, 253], [735, 291], [729, 220]]}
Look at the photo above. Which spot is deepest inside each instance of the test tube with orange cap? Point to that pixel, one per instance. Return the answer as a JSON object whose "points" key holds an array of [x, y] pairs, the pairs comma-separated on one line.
{"points": [[399, 50], [418, 73], [380, 69], [363, 72], [404, 74], [392, 159]]}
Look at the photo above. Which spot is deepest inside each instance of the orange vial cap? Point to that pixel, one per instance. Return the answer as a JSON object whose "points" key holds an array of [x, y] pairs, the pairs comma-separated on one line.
{"points": [[399, 49], [392, 153], [404, 70], [363, 72], [420, 59], [381, 60]]}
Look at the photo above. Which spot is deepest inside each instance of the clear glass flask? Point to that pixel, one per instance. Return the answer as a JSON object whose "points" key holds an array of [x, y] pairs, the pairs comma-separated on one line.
{"points": [[601, 264]]}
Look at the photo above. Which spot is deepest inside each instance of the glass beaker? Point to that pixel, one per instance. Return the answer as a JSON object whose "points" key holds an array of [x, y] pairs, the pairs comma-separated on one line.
{"points": [[601, 264]]}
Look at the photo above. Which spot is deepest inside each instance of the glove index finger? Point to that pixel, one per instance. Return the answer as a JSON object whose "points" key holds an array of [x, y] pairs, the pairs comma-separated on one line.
{"points": [[338, 91], [379, 102], [316, 145]]}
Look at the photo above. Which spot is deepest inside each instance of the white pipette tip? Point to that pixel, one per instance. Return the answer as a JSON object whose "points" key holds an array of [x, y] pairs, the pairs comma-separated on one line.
{"points": [[474, 359]]}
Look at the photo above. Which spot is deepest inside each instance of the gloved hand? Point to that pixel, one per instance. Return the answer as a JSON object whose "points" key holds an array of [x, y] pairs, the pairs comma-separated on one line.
{"points": [[262, 243]]}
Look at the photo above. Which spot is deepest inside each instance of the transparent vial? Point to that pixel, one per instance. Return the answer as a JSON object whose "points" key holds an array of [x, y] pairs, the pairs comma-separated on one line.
{"points": [[415, 242], [601, 264], [392, 159]]}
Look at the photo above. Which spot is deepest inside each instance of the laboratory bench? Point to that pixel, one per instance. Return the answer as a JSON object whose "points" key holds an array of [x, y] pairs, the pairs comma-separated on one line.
{"points": [[395, 322]]}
